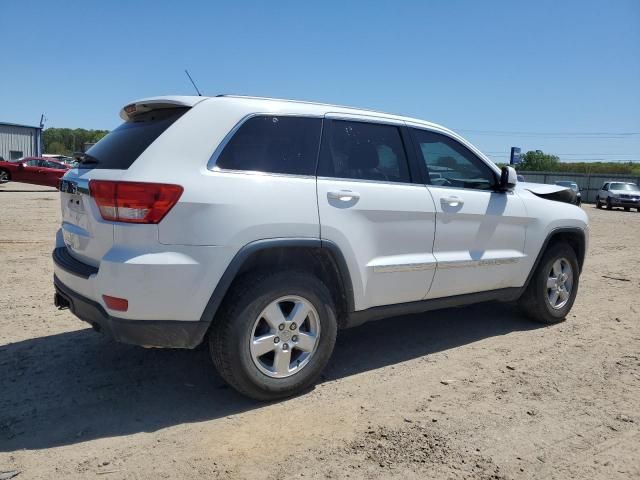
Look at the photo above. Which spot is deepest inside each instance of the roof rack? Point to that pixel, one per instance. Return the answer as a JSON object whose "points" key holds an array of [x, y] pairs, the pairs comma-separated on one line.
{"points": [[306, 102]]}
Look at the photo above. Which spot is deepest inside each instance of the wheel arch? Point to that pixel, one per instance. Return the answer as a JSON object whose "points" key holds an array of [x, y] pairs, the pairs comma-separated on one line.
{"points": [[323, 259], [574, 236]]}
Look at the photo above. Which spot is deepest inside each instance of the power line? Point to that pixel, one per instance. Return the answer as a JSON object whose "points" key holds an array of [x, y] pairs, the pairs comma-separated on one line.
{"points": [[575, 154], [547, 134]]}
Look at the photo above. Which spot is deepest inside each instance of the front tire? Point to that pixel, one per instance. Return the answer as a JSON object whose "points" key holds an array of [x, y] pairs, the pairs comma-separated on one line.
{"points": [[598, 204], [274, 334], [609, 206], [553, 286]]}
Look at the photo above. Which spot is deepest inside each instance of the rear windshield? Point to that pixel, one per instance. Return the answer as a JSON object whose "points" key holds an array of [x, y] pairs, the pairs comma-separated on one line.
{"points": [[120, 148]]}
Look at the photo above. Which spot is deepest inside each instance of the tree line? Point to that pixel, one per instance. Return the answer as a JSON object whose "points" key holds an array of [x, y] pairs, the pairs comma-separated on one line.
{"points": [[538, 161], [66, 141]]}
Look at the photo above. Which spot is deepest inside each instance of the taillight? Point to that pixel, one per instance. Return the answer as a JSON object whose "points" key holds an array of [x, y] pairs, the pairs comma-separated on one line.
{"points": [[134, 202]]}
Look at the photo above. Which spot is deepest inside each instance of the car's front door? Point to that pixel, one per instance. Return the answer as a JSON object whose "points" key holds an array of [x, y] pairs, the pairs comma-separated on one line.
{"points": [[370, 207], [27, 172], [480, 233]]}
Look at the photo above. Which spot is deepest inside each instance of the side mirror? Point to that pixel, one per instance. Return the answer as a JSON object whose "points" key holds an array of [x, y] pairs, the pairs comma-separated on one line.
{"points": [[21, 166], [508, 179]]}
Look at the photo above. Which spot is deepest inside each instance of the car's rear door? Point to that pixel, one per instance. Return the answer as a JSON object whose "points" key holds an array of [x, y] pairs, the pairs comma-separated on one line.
{"points": [[50, 173], [480, 233], [380, 217]]}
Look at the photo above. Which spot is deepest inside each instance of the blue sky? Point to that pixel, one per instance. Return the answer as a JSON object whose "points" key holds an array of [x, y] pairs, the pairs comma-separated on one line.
{"points": [[556, 71]]}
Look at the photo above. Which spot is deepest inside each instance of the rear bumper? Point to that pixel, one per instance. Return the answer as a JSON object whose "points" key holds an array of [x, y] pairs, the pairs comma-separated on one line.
{"points": [[147, 333]]}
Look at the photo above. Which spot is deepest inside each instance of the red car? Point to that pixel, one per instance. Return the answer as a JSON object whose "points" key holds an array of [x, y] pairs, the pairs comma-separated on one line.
{"points": [[36, 170]]}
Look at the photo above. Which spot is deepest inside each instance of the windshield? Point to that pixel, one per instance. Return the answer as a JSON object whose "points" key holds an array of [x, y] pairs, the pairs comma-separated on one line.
{"points": [[625, 186], [572, 185]]}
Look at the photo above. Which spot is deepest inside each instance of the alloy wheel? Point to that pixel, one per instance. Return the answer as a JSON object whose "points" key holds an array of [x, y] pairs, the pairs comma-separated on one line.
{"points": [[559, 283], [285, 336]]}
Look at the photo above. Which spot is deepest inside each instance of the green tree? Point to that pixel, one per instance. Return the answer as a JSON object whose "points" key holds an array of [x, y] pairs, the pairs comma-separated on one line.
{"points": [[66, 141], [538, 161]]}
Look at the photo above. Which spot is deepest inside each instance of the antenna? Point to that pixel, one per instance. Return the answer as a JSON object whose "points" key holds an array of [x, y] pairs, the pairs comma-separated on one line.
{"points": [[192, 82]]}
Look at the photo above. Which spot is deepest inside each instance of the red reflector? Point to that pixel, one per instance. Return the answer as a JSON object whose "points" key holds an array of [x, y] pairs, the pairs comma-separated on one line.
{"points": [[115, 303], [134, 202]]}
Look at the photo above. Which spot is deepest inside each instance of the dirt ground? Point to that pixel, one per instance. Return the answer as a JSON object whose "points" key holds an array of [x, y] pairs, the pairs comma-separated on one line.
{"points": [[477, 392]]}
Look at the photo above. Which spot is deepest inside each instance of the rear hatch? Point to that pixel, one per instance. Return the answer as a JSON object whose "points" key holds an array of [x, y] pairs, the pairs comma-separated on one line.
{"points": [[87, 235]]}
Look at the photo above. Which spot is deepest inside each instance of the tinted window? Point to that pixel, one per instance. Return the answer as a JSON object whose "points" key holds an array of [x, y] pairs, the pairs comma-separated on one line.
{"points": [[34, 163], [451, 164], [54, 165], [120, 148], [274, 144], [367, 151]]}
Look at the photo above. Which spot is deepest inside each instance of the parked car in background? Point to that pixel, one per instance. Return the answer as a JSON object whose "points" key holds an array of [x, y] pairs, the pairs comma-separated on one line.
{"points": [[520, 178], [619, 194], [573, 186], [34, 170], [59, 158]]}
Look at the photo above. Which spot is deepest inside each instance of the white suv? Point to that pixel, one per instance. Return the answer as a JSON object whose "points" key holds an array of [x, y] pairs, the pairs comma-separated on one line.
{"points": [[265, 226]]}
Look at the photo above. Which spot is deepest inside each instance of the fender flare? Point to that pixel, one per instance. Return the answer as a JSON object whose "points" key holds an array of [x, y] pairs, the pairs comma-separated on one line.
{"points": [[249, 249], [556, 231]]}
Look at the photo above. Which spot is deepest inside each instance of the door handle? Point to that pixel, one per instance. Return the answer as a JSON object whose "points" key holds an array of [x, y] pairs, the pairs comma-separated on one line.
{"points": [[343, 195], [452, 201]]}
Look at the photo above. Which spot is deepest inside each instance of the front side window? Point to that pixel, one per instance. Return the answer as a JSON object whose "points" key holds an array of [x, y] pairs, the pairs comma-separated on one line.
{"points": [[364, 151], [274, 144], [450, 164]]}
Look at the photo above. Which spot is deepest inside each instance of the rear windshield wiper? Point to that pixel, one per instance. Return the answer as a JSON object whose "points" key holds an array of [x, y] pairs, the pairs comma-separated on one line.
{"points": [[86, 159]]}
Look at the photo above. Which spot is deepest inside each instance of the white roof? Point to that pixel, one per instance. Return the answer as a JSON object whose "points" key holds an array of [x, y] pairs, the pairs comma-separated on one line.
{"points": [[264, 104], [272, 104]]}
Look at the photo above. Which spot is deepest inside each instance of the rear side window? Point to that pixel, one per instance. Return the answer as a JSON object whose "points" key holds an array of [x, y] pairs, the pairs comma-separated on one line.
{"points": [[365, 151], [120, 148], [274, 144]]}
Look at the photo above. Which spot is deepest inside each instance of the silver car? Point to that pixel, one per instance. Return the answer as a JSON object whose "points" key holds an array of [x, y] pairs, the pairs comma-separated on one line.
{"points": [[619, 194]]}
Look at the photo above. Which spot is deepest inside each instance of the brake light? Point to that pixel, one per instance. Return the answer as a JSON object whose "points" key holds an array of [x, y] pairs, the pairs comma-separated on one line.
{"points": [[134, 202]]}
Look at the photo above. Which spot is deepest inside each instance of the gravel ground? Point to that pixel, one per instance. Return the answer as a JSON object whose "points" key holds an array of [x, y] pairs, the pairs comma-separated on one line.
{"points": [[475, 392]]}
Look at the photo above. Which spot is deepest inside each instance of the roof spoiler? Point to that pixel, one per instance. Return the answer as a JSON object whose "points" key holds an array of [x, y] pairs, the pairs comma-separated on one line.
{"points": [[129, 111]]}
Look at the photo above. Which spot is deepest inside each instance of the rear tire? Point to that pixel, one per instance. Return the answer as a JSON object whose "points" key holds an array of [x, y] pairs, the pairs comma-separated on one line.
{"points": [[536, 301], [5, 176], [627, 209], [247, 318]]}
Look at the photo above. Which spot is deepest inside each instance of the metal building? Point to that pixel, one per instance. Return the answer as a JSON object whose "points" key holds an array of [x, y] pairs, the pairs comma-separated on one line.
{"points": [[18, 141]]}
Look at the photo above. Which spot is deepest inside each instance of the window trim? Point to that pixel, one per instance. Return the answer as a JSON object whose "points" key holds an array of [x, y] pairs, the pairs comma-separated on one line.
{"points": [[423, 167], [340, 117], [213, 160]]}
